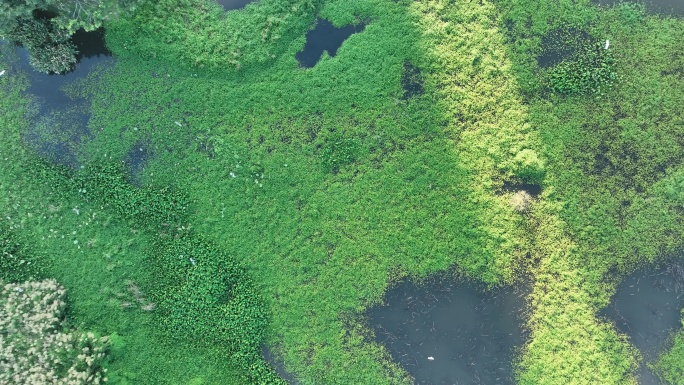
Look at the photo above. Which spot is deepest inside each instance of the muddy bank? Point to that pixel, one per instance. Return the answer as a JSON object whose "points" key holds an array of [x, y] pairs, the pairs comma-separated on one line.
{"points": [[450, 332]]}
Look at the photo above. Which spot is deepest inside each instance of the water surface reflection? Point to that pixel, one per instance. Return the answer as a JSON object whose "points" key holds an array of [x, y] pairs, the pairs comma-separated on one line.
{"points": [[452, 333]]}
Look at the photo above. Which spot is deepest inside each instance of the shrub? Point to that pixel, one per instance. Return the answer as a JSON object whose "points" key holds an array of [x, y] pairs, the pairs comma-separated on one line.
{"points": [[528, 167], [51, 49], [35, 348]]}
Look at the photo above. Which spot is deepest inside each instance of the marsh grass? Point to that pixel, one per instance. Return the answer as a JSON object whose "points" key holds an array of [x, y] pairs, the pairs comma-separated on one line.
{"points": [[612, 161], [325, 185]]}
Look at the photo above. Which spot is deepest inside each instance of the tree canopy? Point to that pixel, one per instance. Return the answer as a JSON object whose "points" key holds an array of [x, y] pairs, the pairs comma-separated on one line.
{"points": [[44, 27], [70, 15]]}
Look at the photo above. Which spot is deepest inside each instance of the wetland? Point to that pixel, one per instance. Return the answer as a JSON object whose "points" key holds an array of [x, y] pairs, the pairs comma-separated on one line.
{"points": [[274, 193]]}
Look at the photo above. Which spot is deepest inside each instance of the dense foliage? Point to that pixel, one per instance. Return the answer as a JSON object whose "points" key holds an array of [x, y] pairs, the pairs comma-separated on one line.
{"points": [[45, 27], [590, 70], [50, 48]]}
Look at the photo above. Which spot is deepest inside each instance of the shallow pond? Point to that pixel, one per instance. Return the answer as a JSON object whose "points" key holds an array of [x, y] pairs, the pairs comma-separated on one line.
{"points": [[58, 121], [325, 37], [230, 5], [451, 333], [646, 307], [663, 7], [278, 366]]}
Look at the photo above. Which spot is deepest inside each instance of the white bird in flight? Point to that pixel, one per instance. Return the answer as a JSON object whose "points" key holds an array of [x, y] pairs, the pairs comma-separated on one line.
{"points": [[2, 72]]}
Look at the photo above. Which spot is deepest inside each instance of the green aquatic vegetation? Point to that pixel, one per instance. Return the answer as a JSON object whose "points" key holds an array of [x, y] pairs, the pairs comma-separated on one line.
{"points": [[339, 238], [568, 344], [17, 261], [199, 293], [606, 160], [203, 37], [670, 365], [590, 70], [338, 152], [95, 231], [631, 12], [280, 202]]}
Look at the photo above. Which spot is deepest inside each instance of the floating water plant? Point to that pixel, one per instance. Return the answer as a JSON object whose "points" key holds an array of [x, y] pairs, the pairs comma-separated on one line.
{"points": [[590, 70]]}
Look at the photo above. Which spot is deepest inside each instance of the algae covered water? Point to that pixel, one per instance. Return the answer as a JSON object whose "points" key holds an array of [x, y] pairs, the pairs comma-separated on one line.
{"points": [[59, 120]]}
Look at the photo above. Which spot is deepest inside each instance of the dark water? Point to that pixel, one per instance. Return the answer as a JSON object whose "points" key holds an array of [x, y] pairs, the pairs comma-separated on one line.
{"points": [[532, 189], [663, 7], [471, 334], [59, 122], [90, 44], [230, 5], [325, 37], [136, 160], [277, 365], [411, 81], [561, 44], [647, 308]]}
